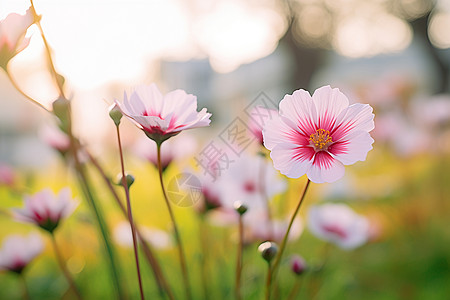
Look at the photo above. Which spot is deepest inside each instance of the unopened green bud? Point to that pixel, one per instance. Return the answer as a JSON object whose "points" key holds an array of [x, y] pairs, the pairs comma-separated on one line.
{"points": [[115, 113], [268, 250], [240, 208], [129, 179], [61, 109]]}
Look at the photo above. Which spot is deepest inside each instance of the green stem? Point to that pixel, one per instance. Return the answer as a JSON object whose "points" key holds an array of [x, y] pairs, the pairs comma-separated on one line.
{"points": [[26, 293], [204, 257], [130, 215], [276, 263], [16, 86], [181, 254], [82, 178], [146, 249], [295, 289], [239, 259], [63, 267], [268, 281]]}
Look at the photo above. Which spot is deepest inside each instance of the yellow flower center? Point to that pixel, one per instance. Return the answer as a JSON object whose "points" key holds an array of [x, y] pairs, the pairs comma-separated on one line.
{"points": [[321, 139]]}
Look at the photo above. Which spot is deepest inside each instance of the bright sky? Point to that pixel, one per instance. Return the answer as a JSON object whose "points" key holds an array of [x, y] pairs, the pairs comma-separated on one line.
{"points": [[100, 41]]}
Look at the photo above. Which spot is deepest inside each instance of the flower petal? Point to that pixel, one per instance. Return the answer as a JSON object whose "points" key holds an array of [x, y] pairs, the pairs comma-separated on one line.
{"points": [[329, 104], [279, 130], [325, 168], [355, 117], [354, 148], [292, 160], [299, 109]]}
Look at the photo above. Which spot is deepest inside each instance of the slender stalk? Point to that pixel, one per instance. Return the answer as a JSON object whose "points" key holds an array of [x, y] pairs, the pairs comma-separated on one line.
{"points": [[26, 293], [161, 281], [47, 51], [181, 254], [130, 215], [295, 289], [276, 263], [262, 191], [16, 86], [82, 177], [63, 267], [239, 258], [268, 281], [204, 257]]}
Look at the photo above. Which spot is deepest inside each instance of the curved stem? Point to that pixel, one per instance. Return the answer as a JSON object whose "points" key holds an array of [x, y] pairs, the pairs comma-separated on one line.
{"points": [[81, 175], [204, 256], [295, 289], [26, 293], [16, 86], [47, 51], [181, 254], [262, 191], [268, 281], [239, 259], [130, 215], [276, 263], [63, 267], [146, 249]]}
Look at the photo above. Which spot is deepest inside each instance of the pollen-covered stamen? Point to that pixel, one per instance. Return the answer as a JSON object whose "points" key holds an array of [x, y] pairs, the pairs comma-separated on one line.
{"points": [[320, 140]]}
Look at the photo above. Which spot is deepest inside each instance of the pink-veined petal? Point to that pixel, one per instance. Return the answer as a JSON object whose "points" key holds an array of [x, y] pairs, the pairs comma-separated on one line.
{"points": [[325, 168], [353, 148], [292, 160], [280, 130], [329, 104], [151, 97], [356, 117], [299, 109]]}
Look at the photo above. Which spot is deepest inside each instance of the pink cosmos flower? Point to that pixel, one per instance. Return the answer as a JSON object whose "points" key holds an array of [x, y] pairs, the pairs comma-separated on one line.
{"points": [[12, 30], [338, 224], [17, 251], [46, 209], [163, 116], [317, 135]]}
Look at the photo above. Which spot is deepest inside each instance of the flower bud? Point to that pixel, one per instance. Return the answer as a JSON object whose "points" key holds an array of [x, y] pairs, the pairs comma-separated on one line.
{"points": [[61, 109], [115, 114], [240, 208], [268, 250], [129, 178], [298, 265]]}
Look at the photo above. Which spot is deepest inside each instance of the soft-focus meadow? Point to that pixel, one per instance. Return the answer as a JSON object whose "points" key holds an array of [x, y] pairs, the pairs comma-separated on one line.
{"points": [[233, 55]]}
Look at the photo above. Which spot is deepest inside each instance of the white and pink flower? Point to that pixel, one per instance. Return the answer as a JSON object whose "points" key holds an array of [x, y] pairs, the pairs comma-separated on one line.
{"points": [[317, 135], [18, 251], [338, 224], [12, 31], [163, 116], [46, 209]]}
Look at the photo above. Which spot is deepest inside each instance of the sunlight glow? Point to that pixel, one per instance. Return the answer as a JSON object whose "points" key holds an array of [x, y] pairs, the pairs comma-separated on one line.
{"points": [[438, 30], [233, 34], [372, 35]]}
